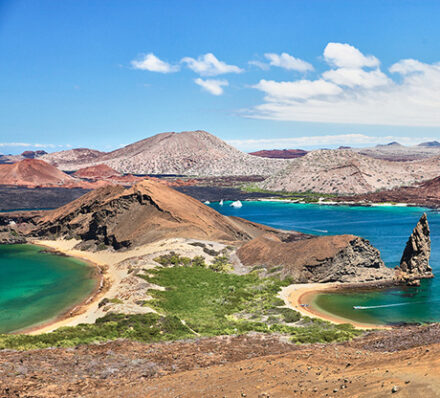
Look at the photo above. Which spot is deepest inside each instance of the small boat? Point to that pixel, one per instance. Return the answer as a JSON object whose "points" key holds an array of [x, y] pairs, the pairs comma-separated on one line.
{"points": [[206, 202], [359, 307], [236, 204], [221, 203]]}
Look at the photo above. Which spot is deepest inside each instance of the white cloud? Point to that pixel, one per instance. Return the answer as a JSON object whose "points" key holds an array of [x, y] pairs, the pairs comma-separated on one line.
{"points": [[322, 141], [343, 55], [211, 85], [153, 64], [352, 94], [260, 65], [357, 77], [288, 62], [300, 89], [209, 65]]}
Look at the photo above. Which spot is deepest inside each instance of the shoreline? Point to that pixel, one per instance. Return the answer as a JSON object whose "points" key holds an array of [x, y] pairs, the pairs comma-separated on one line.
{"points": [[116, 278], [299, 297], [340, 203], [98, 273]]}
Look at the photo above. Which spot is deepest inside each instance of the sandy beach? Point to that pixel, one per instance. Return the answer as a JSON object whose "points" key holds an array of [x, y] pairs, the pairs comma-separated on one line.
{"points": [[299, 297], [115, 279]]}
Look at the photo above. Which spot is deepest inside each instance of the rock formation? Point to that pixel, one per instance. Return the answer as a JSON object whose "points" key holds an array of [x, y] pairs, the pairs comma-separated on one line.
{"points": [[415, 259], [340, 258]]}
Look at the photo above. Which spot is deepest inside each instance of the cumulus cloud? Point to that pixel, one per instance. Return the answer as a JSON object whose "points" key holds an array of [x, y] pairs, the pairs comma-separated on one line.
{"points": [[209, 65], [322, 141], [212, 86], [355, 90], [343, 55], [288, 62], [152, 63]]}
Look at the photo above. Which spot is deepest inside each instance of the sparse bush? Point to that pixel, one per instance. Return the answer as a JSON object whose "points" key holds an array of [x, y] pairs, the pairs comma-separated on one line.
{"points": [[220, 264]]}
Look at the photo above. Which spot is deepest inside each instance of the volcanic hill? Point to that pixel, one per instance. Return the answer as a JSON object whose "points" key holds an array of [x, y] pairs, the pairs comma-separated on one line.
{"points": [[344, 171], [72, 159], [398, 152], [34, 173], [186, 153], [146, 212]]}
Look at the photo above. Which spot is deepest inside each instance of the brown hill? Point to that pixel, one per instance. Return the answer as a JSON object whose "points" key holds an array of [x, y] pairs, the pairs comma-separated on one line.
{"points": [[33, 173], [186, 153], [149, 211], [97, 172], [280, 153]]}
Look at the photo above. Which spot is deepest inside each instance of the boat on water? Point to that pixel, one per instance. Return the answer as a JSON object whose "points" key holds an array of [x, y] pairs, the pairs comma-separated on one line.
{"points": [[221, 202], [206, 202], [237, 204], [359, 307]]}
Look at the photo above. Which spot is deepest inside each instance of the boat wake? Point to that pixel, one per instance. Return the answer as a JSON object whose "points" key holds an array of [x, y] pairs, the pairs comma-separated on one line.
{"points": [[361, 307]]}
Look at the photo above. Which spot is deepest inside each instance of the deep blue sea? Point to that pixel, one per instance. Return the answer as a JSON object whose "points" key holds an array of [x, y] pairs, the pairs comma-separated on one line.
{"points": [[387, 228]]}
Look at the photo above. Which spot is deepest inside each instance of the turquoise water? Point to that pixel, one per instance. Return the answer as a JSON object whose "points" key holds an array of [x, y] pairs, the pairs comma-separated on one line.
{"points": [[387, 228], [36, 287]]}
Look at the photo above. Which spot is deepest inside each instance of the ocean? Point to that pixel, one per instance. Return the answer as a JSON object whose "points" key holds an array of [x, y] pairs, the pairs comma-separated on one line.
{"points": [[387, 228]]}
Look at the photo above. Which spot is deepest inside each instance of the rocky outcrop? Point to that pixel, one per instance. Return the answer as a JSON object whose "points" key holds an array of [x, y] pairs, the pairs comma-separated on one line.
{"points": [[9, 236], [340, 258], [415, 259]]}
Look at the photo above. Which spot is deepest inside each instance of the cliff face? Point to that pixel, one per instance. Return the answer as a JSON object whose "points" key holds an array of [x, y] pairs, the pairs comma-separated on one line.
{"points": [[341, 258], [415, 258]]}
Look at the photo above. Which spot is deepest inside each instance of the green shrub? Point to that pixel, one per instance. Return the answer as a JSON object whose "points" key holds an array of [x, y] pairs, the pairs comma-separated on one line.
{"points": [[220, 264]]}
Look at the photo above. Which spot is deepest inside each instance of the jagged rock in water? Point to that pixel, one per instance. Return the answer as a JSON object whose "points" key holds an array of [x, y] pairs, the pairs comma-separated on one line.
{"points": [[415, 259]]}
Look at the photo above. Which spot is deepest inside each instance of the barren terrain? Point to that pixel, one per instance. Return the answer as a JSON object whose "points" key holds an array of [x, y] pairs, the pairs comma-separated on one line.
{"points": [[343, 171], [243, 366]]}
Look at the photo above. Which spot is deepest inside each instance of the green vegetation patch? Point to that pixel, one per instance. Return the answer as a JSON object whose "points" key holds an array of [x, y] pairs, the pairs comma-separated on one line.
{"points": [[306, 196], [214, 303], [143, 327], [197, 301]]}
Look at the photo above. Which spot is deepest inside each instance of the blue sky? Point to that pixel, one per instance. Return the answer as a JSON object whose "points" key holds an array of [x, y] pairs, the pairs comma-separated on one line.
{"points": [[78, 73]]}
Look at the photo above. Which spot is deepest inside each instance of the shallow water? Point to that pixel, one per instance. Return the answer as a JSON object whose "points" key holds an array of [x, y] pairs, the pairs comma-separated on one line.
{"points": [[387, 228], [36, 287]]}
